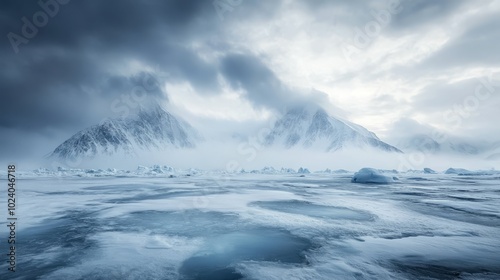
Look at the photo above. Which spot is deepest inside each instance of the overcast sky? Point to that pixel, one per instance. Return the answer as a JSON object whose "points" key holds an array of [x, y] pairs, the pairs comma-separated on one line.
{"points": [[394, 67]]}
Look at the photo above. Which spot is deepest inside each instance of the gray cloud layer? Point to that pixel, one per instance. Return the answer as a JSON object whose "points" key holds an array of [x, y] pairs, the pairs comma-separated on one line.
{"points": [[92, 53]]}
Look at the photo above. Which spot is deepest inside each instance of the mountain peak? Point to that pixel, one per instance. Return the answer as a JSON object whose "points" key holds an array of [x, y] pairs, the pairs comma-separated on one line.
{"points": [[151, 128], [311, 125]]}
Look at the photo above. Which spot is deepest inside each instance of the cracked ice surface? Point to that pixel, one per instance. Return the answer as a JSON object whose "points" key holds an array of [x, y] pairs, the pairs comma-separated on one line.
{"points": [[258, 226]]}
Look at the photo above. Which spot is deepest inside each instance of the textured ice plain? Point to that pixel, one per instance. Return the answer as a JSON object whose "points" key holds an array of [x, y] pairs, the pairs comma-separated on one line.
{"points": [[257, 226]]}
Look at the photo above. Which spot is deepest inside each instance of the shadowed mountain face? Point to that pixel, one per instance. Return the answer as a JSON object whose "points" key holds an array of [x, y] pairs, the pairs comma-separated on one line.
{"points": [[151, 129], [313, 127]]}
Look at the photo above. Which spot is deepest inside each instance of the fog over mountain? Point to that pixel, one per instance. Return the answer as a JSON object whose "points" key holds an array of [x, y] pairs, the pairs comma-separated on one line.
{"points": [[152, 129], [308, 126]]}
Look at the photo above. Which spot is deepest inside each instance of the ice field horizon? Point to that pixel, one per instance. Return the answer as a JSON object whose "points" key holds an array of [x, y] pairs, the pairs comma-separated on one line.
{"points": [[197, 225]]}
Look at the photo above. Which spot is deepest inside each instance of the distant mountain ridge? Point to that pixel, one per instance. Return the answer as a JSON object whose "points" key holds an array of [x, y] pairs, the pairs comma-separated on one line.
{"points": [[150, 129], [451, 145], [312, 126], [155, 129]]}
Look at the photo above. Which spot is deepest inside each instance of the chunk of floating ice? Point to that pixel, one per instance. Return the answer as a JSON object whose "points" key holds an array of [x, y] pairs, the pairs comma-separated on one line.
{"points": [[429, 171], [371, 176], [303, 171], [458, 171]]}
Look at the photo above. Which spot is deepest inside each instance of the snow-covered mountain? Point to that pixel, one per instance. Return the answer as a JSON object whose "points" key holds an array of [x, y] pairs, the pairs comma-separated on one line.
{"points": [[493, 153], [451, 145], [150, 129], [313, 127]]}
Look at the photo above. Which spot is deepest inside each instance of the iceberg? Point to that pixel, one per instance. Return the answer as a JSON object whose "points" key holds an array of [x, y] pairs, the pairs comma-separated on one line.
{"points": [[457, 171], [371, 176], [303, 171], [429, 171], [287, 170], [465, 172]]}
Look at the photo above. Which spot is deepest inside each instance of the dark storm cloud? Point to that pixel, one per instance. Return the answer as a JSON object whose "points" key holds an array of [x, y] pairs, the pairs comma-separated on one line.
{"points": [[61, 76], [34, 88], [75, 70], [112, 23], [92, 54], [261, 85], [54, 78], [61, 89]]}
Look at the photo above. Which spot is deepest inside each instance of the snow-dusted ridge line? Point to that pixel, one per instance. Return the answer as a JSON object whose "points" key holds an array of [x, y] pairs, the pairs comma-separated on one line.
{"points": [[314, 127], [154, 129], [151, 129]]}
